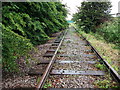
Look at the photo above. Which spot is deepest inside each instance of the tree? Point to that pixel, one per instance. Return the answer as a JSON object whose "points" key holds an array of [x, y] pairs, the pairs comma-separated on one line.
{"points": [[91, 14]]}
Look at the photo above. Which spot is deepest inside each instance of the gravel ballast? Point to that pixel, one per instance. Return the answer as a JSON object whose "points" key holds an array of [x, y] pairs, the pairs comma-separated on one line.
{"points": [[77, 47]]}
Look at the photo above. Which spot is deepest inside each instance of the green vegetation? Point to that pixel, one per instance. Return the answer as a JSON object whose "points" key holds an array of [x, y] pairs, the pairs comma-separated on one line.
{"points": [[103, 48], [105, 84], [110, 31], [100, 66], [68, 41], [38, 79], [91, 14], [28, 24], [94, 19], [47, 85], [14, 46], [102, 30]]}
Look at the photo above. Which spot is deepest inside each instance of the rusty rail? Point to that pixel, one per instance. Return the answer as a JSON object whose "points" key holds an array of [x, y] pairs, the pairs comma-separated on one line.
{"points": [[113, 72], [46, 73]]}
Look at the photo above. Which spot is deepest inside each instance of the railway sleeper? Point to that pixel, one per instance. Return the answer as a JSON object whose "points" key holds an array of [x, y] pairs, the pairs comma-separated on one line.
{"points": [[66, 55], [66, 61], [85, 51], [66, 72], [57, 41], [55, 44], [52, 50]]}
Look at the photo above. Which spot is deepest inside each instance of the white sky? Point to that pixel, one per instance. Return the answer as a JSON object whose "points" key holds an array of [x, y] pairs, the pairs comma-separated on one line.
{"points": [[73, 4]]}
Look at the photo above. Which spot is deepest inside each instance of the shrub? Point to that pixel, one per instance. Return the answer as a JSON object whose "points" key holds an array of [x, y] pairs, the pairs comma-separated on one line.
{"points": [[26, 24], [110, 31], [14, 46]]}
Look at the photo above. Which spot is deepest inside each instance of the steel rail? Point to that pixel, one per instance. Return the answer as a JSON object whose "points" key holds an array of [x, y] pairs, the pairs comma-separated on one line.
{"points": [[46, 73], [113, 72]]}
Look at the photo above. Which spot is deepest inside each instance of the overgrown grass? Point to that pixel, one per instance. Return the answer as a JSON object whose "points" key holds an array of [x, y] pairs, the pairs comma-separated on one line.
{"points": [[106, 50], [110, 54], [105, 84], [47, 84], [100, 66], [110, 31]]}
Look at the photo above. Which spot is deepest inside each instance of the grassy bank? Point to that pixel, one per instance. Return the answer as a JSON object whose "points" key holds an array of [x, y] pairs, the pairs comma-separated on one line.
{"points": [[110, 31], [106, 50]]}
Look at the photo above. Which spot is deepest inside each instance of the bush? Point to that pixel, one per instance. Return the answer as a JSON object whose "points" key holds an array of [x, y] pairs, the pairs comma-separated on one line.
{"points": [[14, 46], [110, 31], [26, 24], [91, 14], [35, 33]]}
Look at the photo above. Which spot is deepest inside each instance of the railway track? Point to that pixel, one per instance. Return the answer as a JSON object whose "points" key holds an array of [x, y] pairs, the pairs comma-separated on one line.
{"points": [[74, 64]]}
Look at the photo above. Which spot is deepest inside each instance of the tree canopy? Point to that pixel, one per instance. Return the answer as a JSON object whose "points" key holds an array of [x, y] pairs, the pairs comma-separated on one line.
{"points": [[91, 14]]}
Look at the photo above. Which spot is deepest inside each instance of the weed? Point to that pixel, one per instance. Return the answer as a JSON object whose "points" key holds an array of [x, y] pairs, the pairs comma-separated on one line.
{"points": [[47, 85], [103, 48], [105, 84], [68, 41], [100, 66], [58, 51], [38, 79]]}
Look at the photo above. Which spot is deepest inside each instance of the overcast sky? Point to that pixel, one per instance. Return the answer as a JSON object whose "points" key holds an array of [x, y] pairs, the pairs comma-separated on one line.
{"points": [[72, 4]]}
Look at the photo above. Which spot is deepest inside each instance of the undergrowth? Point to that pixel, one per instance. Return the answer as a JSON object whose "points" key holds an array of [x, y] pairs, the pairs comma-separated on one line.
{"points": [[105, 84], [103, 48], [109, 31], [14, 46], [26, 25]]}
